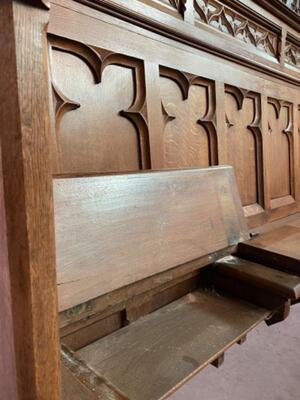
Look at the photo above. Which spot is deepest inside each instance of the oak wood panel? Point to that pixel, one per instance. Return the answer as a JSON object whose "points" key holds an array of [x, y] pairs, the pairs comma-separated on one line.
{"points": [[191, 83], [281, 151], [146, 360], [90, 332], [137, 292], [186, 142], [114, 230], [28, 203], [243, 121], [96, 123], [8, 387], [252, 53]]}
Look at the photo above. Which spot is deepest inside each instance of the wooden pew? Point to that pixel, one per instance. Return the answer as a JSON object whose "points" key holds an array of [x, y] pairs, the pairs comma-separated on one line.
{"points": [[61, 63], [149, 292]]}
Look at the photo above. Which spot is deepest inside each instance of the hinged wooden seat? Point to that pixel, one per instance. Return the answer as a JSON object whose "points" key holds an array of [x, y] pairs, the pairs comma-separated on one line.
{"points": [[160, 351], [137, 305]]}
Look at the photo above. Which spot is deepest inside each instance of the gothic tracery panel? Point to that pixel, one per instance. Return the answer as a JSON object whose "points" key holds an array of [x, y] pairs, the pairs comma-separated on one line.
{"points": [[99, 102], [244, 145], [188, 107], [281, 152]]}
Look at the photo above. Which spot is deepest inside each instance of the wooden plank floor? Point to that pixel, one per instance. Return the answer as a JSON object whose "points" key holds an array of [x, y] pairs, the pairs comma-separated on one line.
{"points": [[154, 355]]}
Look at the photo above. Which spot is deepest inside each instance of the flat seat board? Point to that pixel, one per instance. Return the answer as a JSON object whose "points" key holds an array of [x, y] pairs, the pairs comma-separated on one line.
{"points": [[280, 247], [114, 230], [154, 355]]}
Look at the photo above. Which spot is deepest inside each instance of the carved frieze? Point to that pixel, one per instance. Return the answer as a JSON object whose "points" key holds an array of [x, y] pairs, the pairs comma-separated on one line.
{"points": [[227, 20], [292, 54], [293, 5]]}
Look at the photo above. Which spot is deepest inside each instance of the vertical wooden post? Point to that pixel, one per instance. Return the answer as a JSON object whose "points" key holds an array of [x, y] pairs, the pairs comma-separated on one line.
{"points": [[155, 120], [221, 122], [266, 154], [29, 341]]}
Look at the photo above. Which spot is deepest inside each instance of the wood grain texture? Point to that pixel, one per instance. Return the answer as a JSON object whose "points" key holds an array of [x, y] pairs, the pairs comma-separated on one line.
{"points": [[83, 383], [8, 386], [28, 205], [157, 353], [136, 293], [182, 117], [280, 247], [262, 276], [114, 230]]}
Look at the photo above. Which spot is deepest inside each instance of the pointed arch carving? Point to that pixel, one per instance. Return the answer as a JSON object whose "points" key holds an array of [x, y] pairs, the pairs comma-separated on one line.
{"points": [[98, 60], [281, 129], [185, 82], [248, 153]]}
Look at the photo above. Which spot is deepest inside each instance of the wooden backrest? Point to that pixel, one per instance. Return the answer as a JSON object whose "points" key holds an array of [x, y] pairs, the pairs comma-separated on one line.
{"points": [[114, 230]]}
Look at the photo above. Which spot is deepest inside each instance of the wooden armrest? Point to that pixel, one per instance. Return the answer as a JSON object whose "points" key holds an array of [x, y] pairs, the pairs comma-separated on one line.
{"points": [[258, 275], [279, 247]]}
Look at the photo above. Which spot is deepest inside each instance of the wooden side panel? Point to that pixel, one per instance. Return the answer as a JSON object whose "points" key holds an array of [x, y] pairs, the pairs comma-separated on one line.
{"points": [[114, 230], [27, 221], [8, 374]]}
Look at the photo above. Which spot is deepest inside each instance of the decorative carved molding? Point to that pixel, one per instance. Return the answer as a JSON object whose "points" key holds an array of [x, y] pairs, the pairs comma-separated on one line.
{"points": [[97, 60], [184, 81], [292, 54], [191, 36], [227, 20], [255, 127], [293, 5]]}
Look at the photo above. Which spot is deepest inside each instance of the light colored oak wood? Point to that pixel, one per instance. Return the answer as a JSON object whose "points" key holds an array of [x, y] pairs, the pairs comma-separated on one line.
{"points": [[114, 230], [27, 228]]}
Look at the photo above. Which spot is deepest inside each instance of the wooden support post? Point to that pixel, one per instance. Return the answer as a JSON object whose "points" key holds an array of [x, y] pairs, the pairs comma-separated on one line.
{"points": [[29, 341]]}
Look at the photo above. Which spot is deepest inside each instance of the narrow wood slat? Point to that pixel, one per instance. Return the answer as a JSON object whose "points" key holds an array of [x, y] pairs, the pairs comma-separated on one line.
{"points": [[154, 355], [258, 275], [279, 247], [114, 230]]}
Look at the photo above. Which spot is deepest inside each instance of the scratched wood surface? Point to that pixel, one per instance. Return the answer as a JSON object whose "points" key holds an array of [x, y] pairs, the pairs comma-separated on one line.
{"points": [[157, 353], [114, 230]]}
